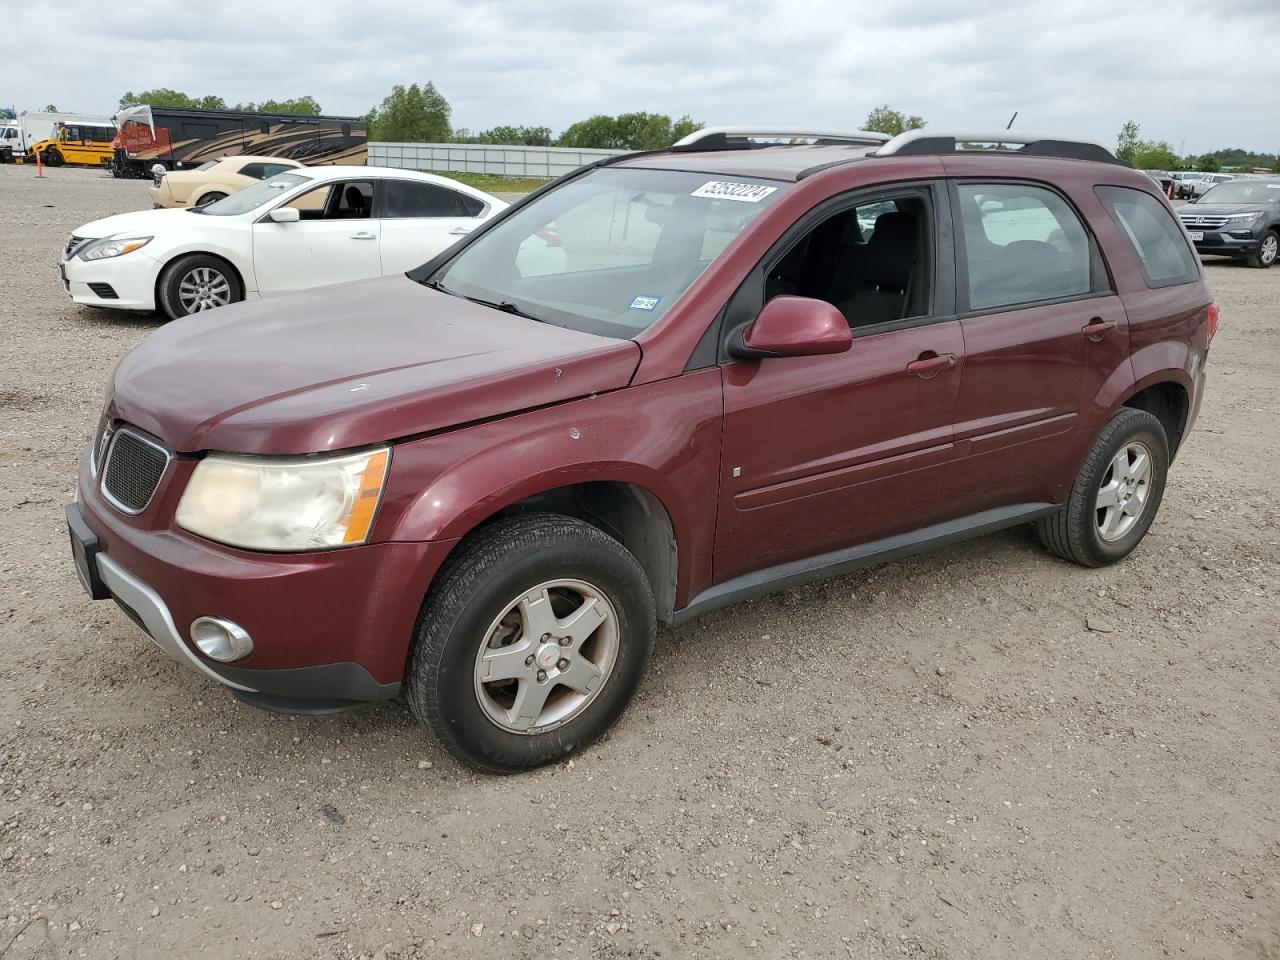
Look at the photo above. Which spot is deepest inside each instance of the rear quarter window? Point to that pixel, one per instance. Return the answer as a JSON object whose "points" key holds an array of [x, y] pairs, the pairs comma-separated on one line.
{"points": [[1156, 237]]}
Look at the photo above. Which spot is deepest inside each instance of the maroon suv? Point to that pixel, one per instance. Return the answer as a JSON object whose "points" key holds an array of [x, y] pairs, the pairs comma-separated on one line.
{"points": [[744, 364]]}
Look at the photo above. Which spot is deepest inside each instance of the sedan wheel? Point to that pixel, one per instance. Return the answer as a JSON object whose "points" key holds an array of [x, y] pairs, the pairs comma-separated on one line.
{"points": [[203, 289]]}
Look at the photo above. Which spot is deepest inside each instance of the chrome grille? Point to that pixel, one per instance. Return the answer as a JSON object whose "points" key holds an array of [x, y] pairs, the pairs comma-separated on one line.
{"points": [[74, 243], [1213, 223], [132, 471]]}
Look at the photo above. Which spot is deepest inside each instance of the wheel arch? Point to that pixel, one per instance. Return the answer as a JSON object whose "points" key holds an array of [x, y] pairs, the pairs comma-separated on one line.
{"points": [[1169, 401], [174, 258], [628, 512]]}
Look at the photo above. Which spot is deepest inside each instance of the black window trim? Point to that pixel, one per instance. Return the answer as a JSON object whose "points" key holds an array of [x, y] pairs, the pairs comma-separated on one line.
{"points": [[1099, 268], [747, 300], [1142, 263]]}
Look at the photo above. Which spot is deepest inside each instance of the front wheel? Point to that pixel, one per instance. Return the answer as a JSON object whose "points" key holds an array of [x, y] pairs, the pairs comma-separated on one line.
{"points": [[1116, 493], [52, 158], [532, 642], [195, 283], [1268, 251]]}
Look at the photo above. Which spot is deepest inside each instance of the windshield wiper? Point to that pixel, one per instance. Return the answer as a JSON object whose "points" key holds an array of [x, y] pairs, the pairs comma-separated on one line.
{"points": [[506, 306]]}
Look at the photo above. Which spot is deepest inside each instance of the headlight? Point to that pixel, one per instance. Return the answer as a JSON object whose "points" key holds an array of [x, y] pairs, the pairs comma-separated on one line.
{"points": [[274, 503], [112, 247], [1245, 217]]}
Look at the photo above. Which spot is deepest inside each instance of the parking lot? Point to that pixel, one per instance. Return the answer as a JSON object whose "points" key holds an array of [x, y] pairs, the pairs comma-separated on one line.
{"points": [[981, 752]]}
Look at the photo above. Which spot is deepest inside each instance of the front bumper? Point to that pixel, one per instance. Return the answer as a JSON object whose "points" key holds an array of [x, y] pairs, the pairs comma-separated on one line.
{"points": [[1220, 242], [331, 630], [132, 278]]}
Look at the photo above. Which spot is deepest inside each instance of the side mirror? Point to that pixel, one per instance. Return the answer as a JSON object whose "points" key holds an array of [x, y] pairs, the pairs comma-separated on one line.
{"points": [[285, 215], [793, 327]]}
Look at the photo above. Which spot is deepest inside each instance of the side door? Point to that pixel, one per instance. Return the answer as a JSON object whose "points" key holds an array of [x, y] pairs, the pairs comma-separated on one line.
{"points": [[335, 240], [1043, 330], [825, 452], [421, 219]]}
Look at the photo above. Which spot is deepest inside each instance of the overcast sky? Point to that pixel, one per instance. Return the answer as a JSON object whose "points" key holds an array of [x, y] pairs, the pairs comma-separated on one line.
{"points": [[1204, 73]]}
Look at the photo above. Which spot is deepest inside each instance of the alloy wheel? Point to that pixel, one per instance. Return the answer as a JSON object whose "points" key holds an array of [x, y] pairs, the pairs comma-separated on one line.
{"points": [[203, 288], [547, 656], [1270, 248], [1122, 496]]}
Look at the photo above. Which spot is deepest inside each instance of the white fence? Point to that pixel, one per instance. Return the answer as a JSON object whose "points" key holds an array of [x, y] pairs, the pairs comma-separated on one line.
{"points": [[539, 162]]}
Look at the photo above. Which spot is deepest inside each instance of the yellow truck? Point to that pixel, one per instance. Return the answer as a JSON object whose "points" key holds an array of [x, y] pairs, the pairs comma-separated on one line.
{"points": [[82, 143]]}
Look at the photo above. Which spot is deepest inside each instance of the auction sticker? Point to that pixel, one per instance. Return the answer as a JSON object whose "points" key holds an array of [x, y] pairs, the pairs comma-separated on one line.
{"points": [[645, 303], [725, 190]]}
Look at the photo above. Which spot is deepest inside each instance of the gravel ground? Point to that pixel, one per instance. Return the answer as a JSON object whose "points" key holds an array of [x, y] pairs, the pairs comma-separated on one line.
{"points": [[936, 758]]}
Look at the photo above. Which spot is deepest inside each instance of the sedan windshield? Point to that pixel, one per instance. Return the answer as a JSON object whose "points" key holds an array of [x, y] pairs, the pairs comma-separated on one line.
{"points": [[609, 252], [1244, 191], [251, 198]]}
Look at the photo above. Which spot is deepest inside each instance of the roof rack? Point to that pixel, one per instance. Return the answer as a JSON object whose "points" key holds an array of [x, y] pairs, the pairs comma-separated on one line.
{"points": [[916, 143], [745, 138]]}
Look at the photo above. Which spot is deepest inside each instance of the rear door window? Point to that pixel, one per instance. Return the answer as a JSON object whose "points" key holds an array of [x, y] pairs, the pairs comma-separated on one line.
{"points": [[408, 198], [1156, 237], [1023, 244]]}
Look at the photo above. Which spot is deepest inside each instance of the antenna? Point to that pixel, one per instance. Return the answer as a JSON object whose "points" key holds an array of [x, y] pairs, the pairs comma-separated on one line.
{"points": [[1009, 125]]}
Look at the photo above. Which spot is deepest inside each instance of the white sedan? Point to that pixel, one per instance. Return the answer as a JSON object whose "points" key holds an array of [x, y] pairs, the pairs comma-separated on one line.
{"points": [[299, 229]]}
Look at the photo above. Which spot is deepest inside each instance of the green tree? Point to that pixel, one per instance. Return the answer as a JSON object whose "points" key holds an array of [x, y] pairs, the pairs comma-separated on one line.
{"points": [[1208, 163], [165, 97], [1152, 155], [516, 136], [628, 131], [305, 106], [411, 114], [1127, 141], [887, 120]]}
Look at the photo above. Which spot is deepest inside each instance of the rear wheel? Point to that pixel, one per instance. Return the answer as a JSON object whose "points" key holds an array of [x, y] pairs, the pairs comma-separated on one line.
{"points": [[211, 197], [1116, 494], [532, 642], [1268, 251], [195, 283]]}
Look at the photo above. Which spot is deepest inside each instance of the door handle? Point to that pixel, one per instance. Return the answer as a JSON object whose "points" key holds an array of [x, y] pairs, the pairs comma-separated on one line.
{"points": [[364, 235], [928, 366], [1097, 327], [460, 231]]}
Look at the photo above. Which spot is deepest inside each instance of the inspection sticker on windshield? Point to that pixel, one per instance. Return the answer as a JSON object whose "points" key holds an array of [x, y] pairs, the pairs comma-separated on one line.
{"points": [[724, 190], [644, 303]]}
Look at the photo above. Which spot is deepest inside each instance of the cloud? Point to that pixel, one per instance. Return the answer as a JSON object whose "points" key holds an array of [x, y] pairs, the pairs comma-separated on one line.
{"points": [[1069, 66]]}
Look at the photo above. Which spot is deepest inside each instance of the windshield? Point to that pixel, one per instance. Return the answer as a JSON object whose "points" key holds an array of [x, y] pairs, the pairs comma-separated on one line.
{"points": [[251, 198], [1243, 191], [611, 251]]}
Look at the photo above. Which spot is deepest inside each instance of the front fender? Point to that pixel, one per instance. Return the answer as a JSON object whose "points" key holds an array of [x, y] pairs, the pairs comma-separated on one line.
{"points": [[242, 260], [663, 437]]}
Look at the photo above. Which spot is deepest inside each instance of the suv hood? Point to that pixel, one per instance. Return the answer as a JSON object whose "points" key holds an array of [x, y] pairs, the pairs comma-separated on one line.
{"points": [[351, 365]]}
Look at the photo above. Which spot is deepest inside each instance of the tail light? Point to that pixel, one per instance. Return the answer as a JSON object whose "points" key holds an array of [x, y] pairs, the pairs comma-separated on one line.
{"points": [[1213, 319]]}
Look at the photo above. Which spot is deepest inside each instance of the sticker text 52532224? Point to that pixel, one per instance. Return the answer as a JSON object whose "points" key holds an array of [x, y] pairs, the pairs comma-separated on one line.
{"points": [[726, 190]]}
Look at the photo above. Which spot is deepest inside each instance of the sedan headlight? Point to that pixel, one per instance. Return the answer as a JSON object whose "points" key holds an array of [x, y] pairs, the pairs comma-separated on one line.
{"points": [[276, 503], [112, 247], [1245, 217]]}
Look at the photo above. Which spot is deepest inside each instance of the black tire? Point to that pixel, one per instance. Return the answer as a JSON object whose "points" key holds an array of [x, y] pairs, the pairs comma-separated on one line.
{"points": [[52, 158], [1268, 251], [211, 197], [171, 279], [1072, 532], [481, 579]]}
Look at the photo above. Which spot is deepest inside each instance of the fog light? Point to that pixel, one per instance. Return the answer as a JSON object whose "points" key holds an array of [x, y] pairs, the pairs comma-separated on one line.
{"points": [[220, 639]]}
